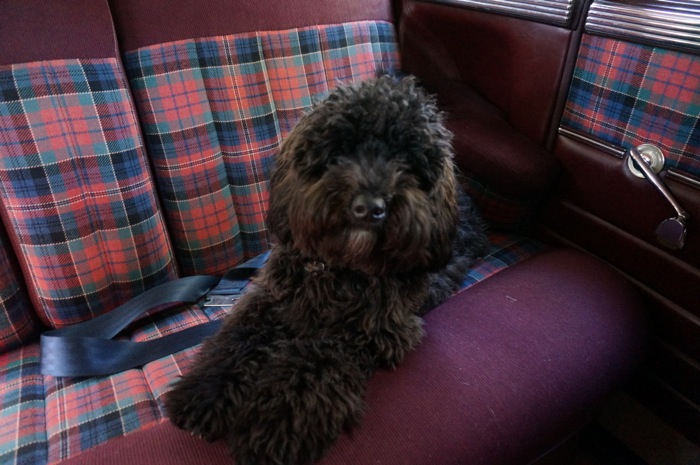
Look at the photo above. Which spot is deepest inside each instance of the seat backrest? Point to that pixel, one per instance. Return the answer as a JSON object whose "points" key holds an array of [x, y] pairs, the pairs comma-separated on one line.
{"points": [[76, 195], [216, 100]]}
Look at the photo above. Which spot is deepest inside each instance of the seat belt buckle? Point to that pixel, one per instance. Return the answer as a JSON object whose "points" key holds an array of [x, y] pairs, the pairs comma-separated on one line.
{"points": [[220, 300], [233, 283], [225, 294]]}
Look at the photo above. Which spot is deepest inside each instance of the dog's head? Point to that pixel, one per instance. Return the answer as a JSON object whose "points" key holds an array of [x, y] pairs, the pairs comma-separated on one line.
{"points": [[366, 181]]}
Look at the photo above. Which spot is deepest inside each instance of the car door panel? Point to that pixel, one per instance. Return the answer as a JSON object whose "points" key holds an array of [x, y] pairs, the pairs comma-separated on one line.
{"points": [[585, 85], [515, 63], [498, 76], [636, 80]]}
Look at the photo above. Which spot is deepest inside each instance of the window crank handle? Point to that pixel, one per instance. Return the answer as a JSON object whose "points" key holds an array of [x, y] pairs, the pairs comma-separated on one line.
{"points": [[672, 231]]}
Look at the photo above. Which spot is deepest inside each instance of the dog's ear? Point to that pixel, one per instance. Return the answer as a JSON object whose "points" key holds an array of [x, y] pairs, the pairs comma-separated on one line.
{"points": [[439, 172], [445, 212], [304, 154], [280, 185], [311, 145]]}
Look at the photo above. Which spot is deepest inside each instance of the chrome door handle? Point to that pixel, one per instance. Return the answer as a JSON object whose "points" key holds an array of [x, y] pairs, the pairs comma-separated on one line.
{"points": [[671, 232]]}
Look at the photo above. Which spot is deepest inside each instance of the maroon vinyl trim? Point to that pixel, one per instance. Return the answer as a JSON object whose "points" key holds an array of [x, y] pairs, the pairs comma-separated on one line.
{"points": [[141, 23], [31, 31]]}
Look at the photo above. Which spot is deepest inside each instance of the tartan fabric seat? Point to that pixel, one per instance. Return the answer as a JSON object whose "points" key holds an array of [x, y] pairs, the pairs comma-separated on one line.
{"points": [[128, 160]]}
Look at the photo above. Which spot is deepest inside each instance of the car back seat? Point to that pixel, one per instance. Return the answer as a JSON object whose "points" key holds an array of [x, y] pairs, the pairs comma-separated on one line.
{"points": [[129, 162]]}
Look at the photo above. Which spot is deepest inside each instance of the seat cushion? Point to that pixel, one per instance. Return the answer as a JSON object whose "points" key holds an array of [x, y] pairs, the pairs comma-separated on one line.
{"points": [[63, 417], [509, 367]]}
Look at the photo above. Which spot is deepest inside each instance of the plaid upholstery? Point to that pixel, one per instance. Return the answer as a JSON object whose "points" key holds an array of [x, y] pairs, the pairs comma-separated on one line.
{"points": [[161, 373], [47, 419], [82, 413], [214, 112], [629, 94], [506, 250], [17, 322], [356, 51], [22, 409], [75, 188]]}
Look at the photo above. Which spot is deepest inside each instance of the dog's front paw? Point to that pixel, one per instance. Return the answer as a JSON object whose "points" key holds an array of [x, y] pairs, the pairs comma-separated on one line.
{"points": [[189, 410], [389, 347], [198, 406], [204, 401], [305, 396]]}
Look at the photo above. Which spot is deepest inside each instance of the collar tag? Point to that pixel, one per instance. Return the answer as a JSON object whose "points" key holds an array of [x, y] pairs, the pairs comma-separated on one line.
{"points": [[315, 267]]}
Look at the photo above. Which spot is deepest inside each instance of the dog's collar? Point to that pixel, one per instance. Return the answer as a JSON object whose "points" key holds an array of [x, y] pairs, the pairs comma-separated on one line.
{"points": [[314, 267]]}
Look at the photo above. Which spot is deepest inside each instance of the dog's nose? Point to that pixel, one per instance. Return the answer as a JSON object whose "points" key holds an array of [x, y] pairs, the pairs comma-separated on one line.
{"points": [[368, 208]]}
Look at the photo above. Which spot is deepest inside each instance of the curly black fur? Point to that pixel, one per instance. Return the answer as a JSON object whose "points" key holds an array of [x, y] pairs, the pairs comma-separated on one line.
{"points": [[372, 231]]}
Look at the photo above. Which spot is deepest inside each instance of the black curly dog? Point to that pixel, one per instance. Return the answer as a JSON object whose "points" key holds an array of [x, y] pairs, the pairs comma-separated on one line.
{"points": [[371, 231]]}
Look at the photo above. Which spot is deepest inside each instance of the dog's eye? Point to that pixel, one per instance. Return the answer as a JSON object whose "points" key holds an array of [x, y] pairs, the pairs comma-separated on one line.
{"points": [[309, 165], [313, 172], [313, 165], [425, 182], [423, 175]]}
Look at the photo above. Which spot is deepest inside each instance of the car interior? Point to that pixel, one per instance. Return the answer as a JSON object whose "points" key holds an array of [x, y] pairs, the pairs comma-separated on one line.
{"points": [[137, 139]]}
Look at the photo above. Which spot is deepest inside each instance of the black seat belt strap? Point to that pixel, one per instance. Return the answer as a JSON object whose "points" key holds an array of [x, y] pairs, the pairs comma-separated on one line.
{"points": [[88, 348]]}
